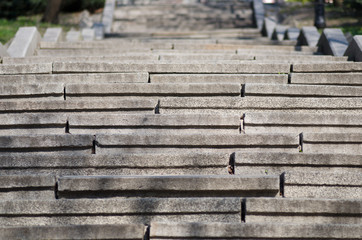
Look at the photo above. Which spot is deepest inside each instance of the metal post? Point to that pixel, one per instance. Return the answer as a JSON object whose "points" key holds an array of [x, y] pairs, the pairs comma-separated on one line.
{"points": [[319, 19]]}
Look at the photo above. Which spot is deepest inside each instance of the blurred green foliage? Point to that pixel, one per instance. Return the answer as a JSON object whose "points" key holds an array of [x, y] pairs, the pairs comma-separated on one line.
{"points": [[11, 9]]}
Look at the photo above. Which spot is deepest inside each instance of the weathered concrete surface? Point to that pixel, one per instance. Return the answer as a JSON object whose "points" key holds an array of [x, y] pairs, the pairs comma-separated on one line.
{"points": [[308, 36], [332, 42], [117, 164], [3, 51], [131, 105], [332, 67], [31, 91], [64, 67], [258, 13], [268, 27], [119, 231], [72, 36], [258, 89], [203, 57], [139, 77], [354, 50], [119, 211], [27, 181], [219, 78], [107, 18], [154, 89], [44, 68], [25, 43], [311, 210], [292, 34], [278, 33], [253, 231], [354, 79], [88, 34], [299, 58], [52, 35]]}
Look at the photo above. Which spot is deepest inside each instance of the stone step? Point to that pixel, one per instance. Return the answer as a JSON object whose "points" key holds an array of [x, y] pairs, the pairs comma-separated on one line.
{"points": [[353, 79], [147, 143], [317, 184], [219, 78], [62, 212], [27, 187], [203, 57], [32, 91], [277, 163], [106, 44], [260, 104], [46, 143], [276, 122], [64, 67], [153, 123], [154, 89], [31, 79], [257, 52], [294, 90], [8, 69], [220, 231], [116, 164], [167, 186], [98, 52], [30, 123], [299, 58], [117, 231], [321, 67], [130, 105], [346, 143], [310, 210]]}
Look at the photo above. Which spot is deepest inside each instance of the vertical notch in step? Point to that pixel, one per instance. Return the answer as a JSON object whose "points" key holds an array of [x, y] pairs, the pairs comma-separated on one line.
{"points": [[157, 108], [65, 94], [243, 210], [281, 184], [242, 90], [56, 195], [242, 124], [95, 144], [289, 78], [147, 233], [301, 142], [231, 166], [67, 127]]}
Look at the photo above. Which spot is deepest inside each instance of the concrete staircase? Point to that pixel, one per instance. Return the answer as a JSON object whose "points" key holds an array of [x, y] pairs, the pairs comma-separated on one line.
{"points": [[180, 137]]}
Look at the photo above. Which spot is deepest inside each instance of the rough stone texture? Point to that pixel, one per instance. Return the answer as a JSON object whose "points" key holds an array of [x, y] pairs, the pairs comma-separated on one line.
{"points": [[292, 34], [253, 231], [33, 90], [64, 67], [139, 77], [332, 67], [354, 50], [130, 105], [26, 181], [88, 34], [268, 27], [332, 42], [138, 89], [308, 36], [72, 36], [107, 18], [44, 68], [257, 89], [52, 35], [184, 185], [3, 51], [299, 58], [120, 231], [25, 43], [203, 57], [354, 79], [217, 78], [291, 210]]}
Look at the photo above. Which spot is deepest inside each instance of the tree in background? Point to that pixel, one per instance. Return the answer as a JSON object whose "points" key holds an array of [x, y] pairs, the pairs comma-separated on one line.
{"points": [[52, 11]]}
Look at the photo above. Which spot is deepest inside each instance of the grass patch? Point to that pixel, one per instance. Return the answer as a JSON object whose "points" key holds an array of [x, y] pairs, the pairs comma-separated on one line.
{"points": [[8, 28]]}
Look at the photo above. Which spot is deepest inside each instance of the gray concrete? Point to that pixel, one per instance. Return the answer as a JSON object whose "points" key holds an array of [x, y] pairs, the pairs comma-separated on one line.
{"points": [[253, 231], [258, 13], [25, 42], [292, 34], [170, 186], [124, 105], [71, 36], [44, 68], [27, 181], [332, 42], [332, 67], [269, 25], [107, 18], [308, 36], [98, 30], [354, 50], [299, 211], [298, 58], [154, 89], [278, 33], [119, 231], [332, 143], [259, 89], [353, 79], [204, 57], [64, 67], [220, 78], [31, 91], [3, 51], [88, 34], [52, 35]]}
